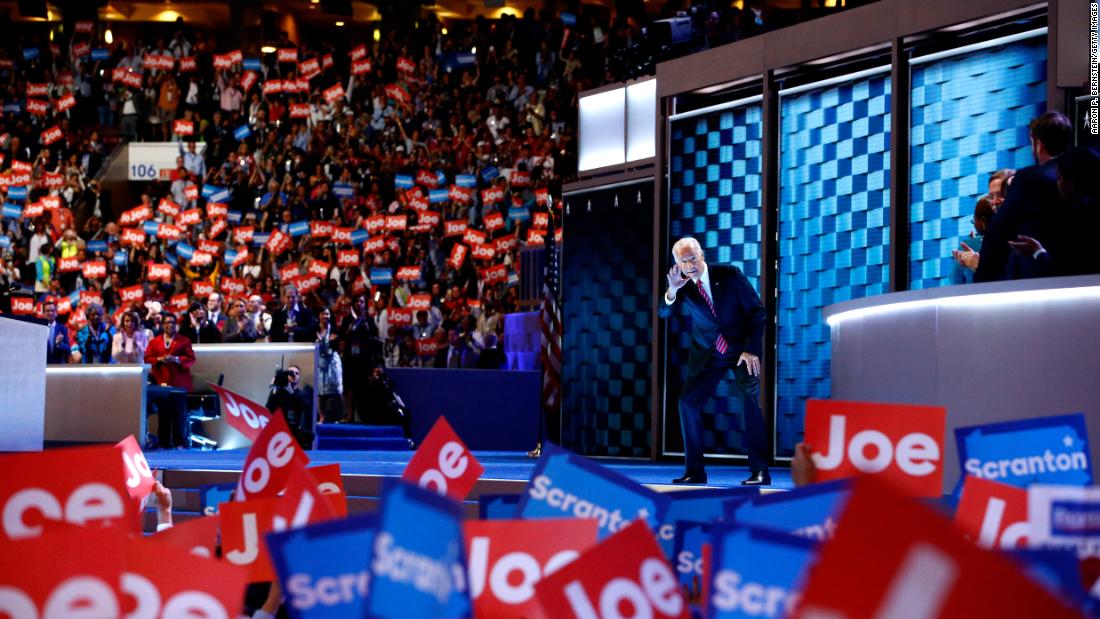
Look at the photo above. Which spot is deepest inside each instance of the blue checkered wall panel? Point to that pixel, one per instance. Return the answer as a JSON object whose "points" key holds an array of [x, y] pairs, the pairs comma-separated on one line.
{"points": [[607, 287], [714, 195], [969, 117], [833, 229]]}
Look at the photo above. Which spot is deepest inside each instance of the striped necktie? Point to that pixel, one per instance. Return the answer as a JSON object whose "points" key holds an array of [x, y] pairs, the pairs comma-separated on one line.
{"points": [[720, 343]]}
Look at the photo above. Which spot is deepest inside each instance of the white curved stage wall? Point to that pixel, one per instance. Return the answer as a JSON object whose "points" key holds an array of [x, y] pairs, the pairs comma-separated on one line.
{"points": [[988, 352]]}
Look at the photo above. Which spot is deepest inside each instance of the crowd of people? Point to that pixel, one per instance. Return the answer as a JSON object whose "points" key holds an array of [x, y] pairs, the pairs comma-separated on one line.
{"points": [[374, 198]]}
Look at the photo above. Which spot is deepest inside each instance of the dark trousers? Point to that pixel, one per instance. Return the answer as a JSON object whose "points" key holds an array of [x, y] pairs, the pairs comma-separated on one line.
{"points": [[172, 418], [699, 388]]}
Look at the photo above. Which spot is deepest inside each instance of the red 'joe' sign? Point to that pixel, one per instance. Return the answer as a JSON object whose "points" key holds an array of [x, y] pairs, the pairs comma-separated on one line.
{"points": [[443, 463]]}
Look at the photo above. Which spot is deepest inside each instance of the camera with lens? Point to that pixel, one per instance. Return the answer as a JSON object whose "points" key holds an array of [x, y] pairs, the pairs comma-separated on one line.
{"points": [[282, 379]]}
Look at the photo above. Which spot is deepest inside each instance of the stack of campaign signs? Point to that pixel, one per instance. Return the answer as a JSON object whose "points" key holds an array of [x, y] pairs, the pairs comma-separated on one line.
{"points": [[871, 537]]}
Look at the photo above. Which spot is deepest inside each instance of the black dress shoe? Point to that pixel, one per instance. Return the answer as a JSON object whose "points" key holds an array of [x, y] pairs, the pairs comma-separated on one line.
{"points": [[691, 478], [758, 478]]}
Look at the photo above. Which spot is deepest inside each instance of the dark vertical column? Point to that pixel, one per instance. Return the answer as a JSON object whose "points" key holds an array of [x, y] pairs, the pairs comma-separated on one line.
{"points": [[769, 246], [899, 167], [1056, 97], [660, 216]]}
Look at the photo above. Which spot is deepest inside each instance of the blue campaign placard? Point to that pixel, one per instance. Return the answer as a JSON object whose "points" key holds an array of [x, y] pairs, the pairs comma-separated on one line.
{"points": [[233, 217], [212, 495], [809, 511], [757, 572], [101, 53], [17, 193], [403, 181], [380, 275], [252, 64], [259, 239], [219, 196], [185, 251], [5, 241], [150, 226], [96, 246], [209, 190], [324, 568], [241, 133], [466, 180], [417, 562], [688, 554], [343, 190], [12, 211], [1056, 569], [519, 213], [698, 505], [30, 53], [440, 178], [565, 485], [497, 506], [489, 173], [1044, 450], [436, 196], [299, 228], [120, 258], [359, 236]]}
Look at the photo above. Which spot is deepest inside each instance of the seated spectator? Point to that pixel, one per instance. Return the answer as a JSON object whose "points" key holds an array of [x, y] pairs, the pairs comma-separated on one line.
{"points": [[93, 341], [57, 339], [171, 356], [130, 341]]}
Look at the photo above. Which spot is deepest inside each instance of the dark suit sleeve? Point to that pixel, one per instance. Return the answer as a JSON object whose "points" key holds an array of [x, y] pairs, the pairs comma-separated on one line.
{"points": [[664, 310], [1004, 227], [753, 311], [305, 329]]}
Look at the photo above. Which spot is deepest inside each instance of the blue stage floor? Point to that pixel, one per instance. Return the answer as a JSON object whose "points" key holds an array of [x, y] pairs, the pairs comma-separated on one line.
{"points": [[498, 465]]}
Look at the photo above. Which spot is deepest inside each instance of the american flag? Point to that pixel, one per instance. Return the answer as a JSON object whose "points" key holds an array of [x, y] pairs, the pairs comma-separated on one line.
{"points": [[550, 324]]}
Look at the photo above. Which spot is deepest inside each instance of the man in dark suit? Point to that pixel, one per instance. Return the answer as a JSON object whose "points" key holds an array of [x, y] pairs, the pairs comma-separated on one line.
{"points": [[727, 334], [293, 322], [57, 343], [1032, 205]]}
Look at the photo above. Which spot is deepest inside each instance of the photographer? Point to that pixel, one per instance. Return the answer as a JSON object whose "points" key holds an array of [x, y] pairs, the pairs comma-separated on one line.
{"points": [[382, 405], [296, 402]]}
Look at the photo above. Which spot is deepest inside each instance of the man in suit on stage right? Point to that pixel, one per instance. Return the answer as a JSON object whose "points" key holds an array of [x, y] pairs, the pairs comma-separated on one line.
{"points": [[727, 333]]}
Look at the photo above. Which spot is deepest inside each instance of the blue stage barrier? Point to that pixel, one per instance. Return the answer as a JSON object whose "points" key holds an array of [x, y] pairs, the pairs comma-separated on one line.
{"points": [[489, 409]]}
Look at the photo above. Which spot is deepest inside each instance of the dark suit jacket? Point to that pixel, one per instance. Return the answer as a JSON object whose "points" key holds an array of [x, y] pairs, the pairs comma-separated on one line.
{"points": [[208, 333], [305, 329], [172, 374], [1032, 205], [59, 353], [740, 317]]}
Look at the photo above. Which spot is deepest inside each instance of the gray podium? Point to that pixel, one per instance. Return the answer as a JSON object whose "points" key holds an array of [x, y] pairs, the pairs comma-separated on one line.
{"points": [[23, 383]]}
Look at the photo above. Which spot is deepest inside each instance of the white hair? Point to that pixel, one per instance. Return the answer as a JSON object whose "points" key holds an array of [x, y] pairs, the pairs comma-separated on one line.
{"points": [[686, 243]]}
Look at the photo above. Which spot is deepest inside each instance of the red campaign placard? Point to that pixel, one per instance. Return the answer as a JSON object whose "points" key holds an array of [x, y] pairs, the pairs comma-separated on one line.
{"points": [[244, 526], [494, 221], [278, 242], [50, 203], [474, 237], [68, 265], [992, 514], [540, 220], [342, 235], [454, 227], [460, 194], [505, 244], [136, 215], [400, 316], [536, 236], [495, 274], [902, 443], [20, 166], [273, 87], [210, 247], [319, 268], [168, 207], [360, 67], [243, 235], [161, 272], [201, 258], [236, 56], [222, 62], [168, 579], [483, 252], [132, 79], [191, 192], [303, 502], [557, 235], [22, 306], [248, 80], [188, 64], [133, 294], [405, 65], [419, 203], [427, 178], [244, 415], [414, 192], [168, 232], [135, 470], [51, 135], [322, 229], [397, 93], [333, 94], [87, 297], [627, 569], [270, 460], [921, 567], [287, 54], [52, 181], [492, 195], [429, 218], [289, 271], [183, 127], [358, 52], [38, 107], [71, 572], [396, 222], [217, 227], [190, 217], [199, 536], [409, 273], [309, 68], [330, 483], [426, 347], [85, 26], [95, 270], [299, 110], [375, 224], [179, 302], [419, 302], [202, 288], [327, 61], [374, 244], [458, 255], [32, 210], [443, 464], [507, 558], [217, 209], [347, 258], [307, 283], [233, 286], [82, 49], [81, 486], [37, 90], [64, 305], [520, 178]]}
